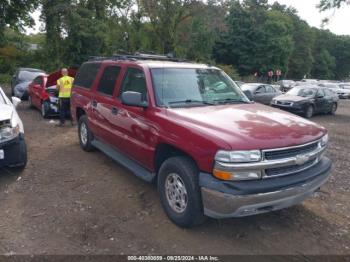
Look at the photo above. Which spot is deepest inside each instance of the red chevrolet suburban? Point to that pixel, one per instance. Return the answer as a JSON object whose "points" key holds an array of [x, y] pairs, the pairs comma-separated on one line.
{"points": [[190, 128]]}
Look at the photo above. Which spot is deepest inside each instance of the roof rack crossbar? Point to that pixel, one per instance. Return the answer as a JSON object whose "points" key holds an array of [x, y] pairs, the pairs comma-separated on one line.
{"points": [[138, 56]]}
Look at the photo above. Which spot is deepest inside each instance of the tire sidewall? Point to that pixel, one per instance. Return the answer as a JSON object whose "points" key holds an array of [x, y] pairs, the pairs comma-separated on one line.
{"points": [[88, 146], [335, 107], [44, 106], [309, 107], [194, 206]]}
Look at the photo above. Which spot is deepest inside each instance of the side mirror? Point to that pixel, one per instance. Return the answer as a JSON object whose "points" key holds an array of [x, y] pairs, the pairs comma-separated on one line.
{"points": [[131, 98], [248, 94], [16, 101]]}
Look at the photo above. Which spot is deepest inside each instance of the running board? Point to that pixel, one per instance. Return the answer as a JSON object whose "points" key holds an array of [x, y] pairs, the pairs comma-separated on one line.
{"points": [[131, 165]]}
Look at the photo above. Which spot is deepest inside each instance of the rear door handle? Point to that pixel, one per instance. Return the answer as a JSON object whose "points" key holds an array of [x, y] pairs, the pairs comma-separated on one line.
{"points": [[114, 110], [94, 103]]}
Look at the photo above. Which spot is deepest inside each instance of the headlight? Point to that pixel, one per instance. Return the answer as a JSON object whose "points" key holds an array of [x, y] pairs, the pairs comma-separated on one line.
{"points": [[8, 133], [324, 140], [238, 156]]}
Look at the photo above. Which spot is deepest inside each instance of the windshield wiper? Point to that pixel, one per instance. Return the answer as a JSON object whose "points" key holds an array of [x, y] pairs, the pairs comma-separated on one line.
{"points": [[190, 101], [231, 100]]}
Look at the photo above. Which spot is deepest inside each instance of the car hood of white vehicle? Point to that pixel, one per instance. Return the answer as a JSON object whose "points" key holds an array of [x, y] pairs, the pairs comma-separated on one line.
{"points": [[6, 112]]}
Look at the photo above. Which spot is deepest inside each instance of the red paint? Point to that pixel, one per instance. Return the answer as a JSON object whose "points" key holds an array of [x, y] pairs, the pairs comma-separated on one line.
{"points": [[198, 131], [38, 93]]}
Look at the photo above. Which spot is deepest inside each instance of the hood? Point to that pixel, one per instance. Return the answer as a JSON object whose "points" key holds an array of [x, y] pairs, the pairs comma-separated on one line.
{"points": [[291, 98], [54, 76], [248, 126], [6, 112]]}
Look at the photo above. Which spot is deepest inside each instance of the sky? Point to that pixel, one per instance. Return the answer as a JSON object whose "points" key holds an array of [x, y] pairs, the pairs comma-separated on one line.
{"points": [[339, 19]]}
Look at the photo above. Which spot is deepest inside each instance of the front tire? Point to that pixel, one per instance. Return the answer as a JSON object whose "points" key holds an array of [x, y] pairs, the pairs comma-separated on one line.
{"points": [[179, 191], [30, 102], [309, 112], [334, 108], [85, 135], [45, 109]]}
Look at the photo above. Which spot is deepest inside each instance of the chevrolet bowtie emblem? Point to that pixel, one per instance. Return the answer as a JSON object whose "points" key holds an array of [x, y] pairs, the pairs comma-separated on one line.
{"points": [[301, 159]]}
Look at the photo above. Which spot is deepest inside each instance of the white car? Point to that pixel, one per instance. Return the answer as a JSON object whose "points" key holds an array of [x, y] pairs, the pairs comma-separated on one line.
{"points": [[338, 89], [13, 149]]}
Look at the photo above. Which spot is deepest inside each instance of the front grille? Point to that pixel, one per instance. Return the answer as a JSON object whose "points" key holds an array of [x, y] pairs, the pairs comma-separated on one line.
{"points": [[290, 152], [287, 170], [283, 103], [4, 123]]}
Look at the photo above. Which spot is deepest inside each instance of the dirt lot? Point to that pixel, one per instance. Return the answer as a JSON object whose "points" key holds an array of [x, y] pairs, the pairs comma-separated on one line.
{"points": [[70, 202]]}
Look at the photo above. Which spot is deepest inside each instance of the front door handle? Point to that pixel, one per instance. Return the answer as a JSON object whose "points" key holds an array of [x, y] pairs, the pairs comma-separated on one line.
{"points": [[94, 103], [114, 110]]}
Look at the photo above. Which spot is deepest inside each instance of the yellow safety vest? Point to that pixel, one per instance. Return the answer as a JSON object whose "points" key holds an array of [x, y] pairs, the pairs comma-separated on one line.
{"points": [[65, 84]]}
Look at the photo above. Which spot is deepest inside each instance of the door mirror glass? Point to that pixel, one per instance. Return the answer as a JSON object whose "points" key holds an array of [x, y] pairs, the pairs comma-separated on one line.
{"points": [[131, 98]]}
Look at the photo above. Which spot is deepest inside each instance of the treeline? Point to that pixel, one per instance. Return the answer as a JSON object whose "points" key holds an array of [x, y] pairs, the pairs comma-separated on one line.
{"points": [[244, 36]]}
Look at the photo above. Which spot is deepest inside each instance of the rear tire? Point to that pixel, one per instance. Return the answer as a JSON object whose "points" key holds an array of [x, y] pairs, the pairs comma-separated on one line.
{"points": [[179, 191], [85, 135], [309, 112]]}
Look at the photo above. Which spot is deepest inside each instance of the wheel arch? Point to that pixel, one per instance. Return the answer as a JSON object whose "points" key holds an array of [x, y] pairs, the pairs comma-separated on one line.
{"points": [[79, 112], [164, 151]]}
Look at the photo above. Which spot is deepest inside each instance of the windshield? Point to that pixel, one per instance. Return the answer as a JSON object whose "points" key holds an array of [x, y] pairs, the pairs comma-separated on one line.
{"points": [[192, 87], [28, 75], [304, 92]]}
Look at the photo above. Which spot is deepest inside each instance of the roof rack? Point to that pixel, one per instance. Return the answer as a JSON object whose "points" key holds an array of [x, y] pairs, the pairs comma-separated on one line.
{"points": [[138, 56]]}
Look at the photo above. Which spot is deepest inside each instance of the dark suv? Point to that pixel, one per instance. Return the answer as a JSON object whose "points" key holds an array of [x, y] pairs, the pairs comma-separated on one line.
{"points": [[189, 128]]}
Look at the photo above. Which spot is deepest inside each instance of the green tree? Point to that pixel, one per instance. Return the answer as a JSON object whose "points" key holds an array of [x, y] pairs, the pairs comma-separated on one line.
{"points": [[16, 14], [257, 39]]}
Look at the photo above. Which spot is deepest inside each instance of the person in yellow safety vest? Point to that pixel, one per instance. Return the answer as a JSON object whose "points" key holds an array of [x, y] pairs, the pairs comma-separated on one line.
{"points": [[64, 86]]}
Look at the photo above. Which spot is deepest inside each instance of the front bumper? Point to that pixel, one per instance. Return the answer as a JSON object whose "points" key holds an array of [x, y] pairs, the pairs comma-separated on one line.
{"points": [[223, 199], [15, 152], [298, 110]]}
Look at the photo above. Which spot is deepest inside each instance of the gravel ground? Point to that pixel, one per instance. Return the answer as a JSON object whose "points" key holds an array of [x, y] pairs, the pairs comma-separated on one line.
{"points": [[71, 202]]}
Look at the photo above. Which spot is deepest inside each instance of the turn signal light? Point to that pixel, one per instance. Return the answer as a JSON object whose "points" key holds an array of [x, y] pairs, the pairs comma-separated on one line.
{"points": [[222, 174]]}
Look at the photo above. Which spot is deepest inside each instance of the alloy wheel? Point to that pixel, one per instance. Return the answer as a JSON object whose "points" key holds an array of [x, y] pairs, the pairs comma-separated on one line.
{"points": [[176, 193], [83, 133]]}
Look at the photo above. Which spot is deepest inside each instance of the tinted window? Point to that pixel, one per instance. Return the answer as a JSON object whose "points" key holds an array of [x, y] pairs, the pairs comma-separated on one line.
{"points": [[260, 89], [38, 80], [86, 75], [135, 81], [108, 80], [320, 92], [28, 75], [270, 89]]}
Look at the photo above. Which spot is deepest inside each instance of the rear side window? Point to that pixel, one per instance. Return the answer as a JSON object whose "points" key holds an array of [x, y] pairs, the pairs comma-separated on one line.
{"points": [[108, 80], [86, 75], [260, 90], [38, 80], [135, 81]]}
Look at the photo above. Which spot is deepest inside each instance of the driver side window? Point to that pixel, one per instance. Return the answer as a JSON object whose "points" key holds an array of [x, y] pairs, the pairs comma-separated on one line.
{"points": [[260, 90], [135, 81]]}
